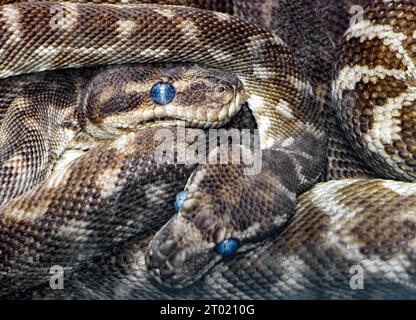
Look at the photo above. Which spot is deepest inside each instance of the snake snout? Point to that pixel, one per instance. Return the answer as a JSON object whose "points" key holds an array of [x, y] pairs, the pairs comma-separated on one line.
{"points": [[176, 258]]}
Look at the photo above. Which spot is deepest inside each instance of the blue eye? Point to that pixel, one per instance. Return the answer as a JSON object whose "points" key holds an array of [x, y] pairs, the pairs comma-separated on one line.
{"points": [[162, 93], [180, 198], [227, 247]]}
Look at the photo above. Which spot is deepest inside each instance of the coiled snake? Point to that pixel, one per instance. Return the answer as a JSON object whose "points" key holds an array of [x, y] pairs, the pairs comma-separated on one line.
{"points": [[81, 187]]}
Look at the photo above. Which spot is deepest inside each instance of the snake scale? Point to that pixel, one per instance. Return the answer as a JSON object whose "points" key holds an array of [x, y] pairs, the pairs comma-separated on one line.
{"points": [[81, 187]]}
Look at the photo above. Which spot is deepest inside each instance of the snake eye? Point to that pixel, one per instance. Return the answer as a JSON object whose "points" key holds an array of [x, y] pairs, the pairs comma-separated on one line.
{"points": [[180, 198], [162, 93], [227, 247]]}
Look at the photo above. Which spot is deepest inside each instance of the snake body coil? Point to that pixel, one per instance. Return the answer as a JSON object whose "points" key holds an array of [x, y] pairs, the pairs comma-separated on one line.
{"points": [[80, 186]]}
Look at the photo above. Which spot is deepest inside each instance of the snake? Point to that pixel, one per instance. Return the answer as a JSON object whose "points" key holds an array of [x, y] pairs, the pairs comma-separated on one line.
{"points": [[324, 106]]}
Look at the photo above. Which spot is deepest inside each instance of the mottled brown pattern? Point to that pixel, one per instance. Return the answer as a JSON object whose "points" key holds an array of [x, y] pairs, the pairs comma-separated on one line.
{"points": [[384, 236], [369, 53], [400, 16], [69, 208], [39, 102], [384, 242], [383, 74], [256, 66], [370, 94], [406, 146], [115, 195]]}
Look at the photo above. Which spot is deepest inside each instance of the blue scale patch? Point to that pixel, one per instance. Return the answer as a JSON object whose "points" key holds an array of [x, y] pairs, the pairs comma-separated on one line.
{"points": [[180, 198], [162, 93], [227, 247]]}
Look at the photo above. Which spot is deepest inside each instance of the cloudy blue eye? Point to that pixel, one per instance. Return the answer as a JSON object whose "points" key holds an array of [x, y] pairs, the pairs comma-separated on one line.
{"points": [[180, 198], [162, 93], [227, 247]]}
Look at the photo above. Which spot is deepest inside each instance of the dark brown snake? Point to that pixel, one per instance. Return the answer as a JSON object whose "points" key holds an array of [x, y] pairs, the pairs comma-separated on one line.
{"points": [[83, 187]]}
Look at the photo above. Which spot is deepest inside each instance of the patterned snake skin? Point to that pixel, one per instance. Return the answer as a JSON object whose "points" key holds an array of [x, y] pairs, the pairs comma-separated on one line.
{"points": [[81, 188]]}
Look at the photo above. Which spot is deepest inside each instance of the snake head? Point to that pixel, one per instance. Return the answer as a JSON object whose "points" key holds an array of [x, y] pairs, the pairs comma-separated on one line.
{"points": [[221, 214], [125, 98]]}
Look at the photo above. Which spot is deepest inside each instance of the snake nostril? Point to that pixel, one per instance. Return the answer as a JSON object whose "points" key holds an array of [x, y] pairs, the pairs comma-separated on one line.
{"points": [[220, 89], [221, 94]]}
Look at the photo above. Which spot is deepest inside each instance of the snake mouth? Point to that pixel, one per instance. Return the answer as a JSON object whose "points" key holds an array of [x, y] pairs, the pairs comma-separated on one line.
{"points": [[199, 117], [168, 122], [162, 270], [176, 263]]}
